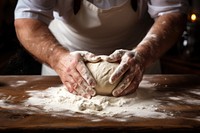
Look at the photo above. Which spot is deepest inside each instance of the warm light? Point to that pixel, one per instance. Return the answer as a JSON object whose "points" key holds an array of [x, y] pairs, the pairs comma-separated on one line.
{"points": [[193, 17]]}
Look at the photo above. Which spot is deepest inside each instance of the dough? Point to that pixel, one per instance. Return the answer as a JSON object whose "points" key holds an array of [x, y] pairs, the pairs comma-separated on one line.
{"points": [[102, 71]]}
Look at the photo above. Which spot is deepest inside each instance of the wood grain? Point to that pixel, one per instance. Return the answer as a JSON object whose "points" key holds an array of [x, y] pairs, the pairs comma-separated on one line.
{"points": [[186, 116]]}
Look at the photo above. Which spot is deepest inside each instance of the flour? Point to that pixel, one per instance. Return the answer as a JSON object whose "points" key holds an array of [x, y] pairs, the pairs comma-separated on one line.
{"points": [[58, 100], [18, 83], [147, 102]]}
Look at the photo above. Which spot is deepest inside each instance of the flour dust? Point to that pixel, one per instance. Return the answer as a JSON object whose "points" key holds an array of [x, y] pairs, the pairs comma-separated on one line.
{"points": [[57, 100]]}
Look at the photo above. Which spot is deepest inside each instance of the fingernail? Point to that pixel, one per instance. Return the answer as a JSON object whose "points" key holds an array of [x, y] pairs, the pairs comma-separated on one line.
{"points": [[74, 92], [70, 90], [117, 92], [87, 96], [111, 81], [93, 92], [92, 84]]}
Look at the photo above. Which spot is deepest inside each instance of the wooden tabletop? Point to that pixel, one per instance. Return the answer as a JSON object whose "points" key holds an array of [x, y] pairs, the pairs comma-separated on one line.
{"points": [[185, 110]]}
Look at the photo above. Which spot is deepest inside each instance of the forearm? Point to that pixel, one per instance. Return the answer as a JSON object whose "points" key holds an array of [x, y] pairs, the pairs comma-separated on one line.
{"points": [[164, 33], [38, 40]]}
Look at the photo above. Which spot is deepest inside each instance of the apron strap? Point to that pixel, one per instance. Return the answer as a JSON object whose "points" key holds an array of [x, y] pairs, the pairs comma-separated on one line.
{"points": [[77, 5]]}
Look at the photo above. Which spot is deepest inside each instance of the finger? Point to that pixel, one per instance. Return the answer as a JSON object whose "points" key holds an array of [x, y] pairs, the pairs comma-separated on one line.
{"points": [[130, 89], [88, 82], [75, 77], [86, 96], [90, 57], [119, 71], [123, 84], [69, 82], [86, 74], [69, 79], [70, 87], [79, 85], [85, 88], [134, 84], [79, 90], [125, 64], [115, 56], [90, 91], [83, 92]]}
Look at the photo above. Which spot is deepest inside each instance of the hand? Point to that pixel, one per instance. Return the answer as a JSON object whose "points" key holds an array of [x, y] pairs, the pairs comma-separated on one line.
{"points": [[75, 75], [130, 71]]}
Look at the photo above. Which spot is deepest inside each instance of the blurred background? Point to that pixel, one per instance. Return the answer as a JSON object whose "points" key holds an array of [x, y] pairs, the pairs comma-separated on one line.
{"points": [[14, 60], [183, 58]]}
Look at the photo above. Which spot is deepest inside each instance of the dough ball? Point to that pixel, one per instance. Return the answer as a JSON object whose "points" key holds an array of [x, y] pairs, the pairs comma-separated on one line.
{"points": [[102, 71]]}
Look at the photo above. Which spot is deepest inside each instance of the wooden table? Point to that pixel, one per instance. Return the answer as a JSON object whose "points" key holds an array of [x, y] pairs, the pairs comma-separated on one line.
{"points": [[186, 115]]}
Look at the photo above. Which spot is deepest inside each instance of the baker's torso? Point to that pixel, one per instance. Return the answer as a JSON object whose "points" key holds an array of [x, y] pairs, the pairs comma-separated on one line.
{"points": [[100, 30]]}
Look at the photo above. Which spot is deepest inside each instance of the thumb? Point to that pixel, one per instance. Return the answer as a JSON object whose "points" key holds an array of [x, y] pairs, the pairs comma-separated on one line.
{"points": [[91, 58]]}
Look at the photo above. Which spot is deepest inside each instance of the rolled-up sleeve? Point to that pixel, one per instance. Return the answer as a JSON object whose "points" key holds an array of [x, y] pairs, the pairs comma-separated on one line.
{"points": [[36, 9], [159, 7]]}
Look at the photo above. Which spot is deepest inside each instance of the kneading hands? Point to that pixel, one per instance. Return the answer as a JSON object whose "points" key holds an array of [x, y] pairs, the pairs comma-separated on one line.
{"points": [[70, 66]]}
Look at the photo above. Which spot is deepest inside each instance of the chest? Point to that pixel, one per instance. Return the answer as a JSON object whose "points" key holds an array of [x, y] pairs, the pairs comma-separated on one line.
{"points": [[104, 4], [64, 6]]}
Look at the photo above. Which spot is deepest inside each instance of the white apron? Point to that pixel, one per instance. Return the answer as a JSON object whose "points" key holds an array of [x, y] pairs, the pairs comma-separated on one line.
{"points": [[100, 31]]}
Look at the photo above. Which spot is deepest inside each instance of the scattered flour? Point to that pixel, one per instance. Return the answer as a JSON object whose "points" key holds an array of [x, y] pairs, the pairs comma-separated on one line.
{"points": [[18, 83], [58, 99]]}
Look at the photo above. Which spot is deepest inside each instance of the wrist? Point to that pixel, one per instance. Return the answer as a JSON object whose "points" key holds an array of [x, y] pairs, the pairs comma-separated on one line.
{"points": [[143, 55], [57, 55]]}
